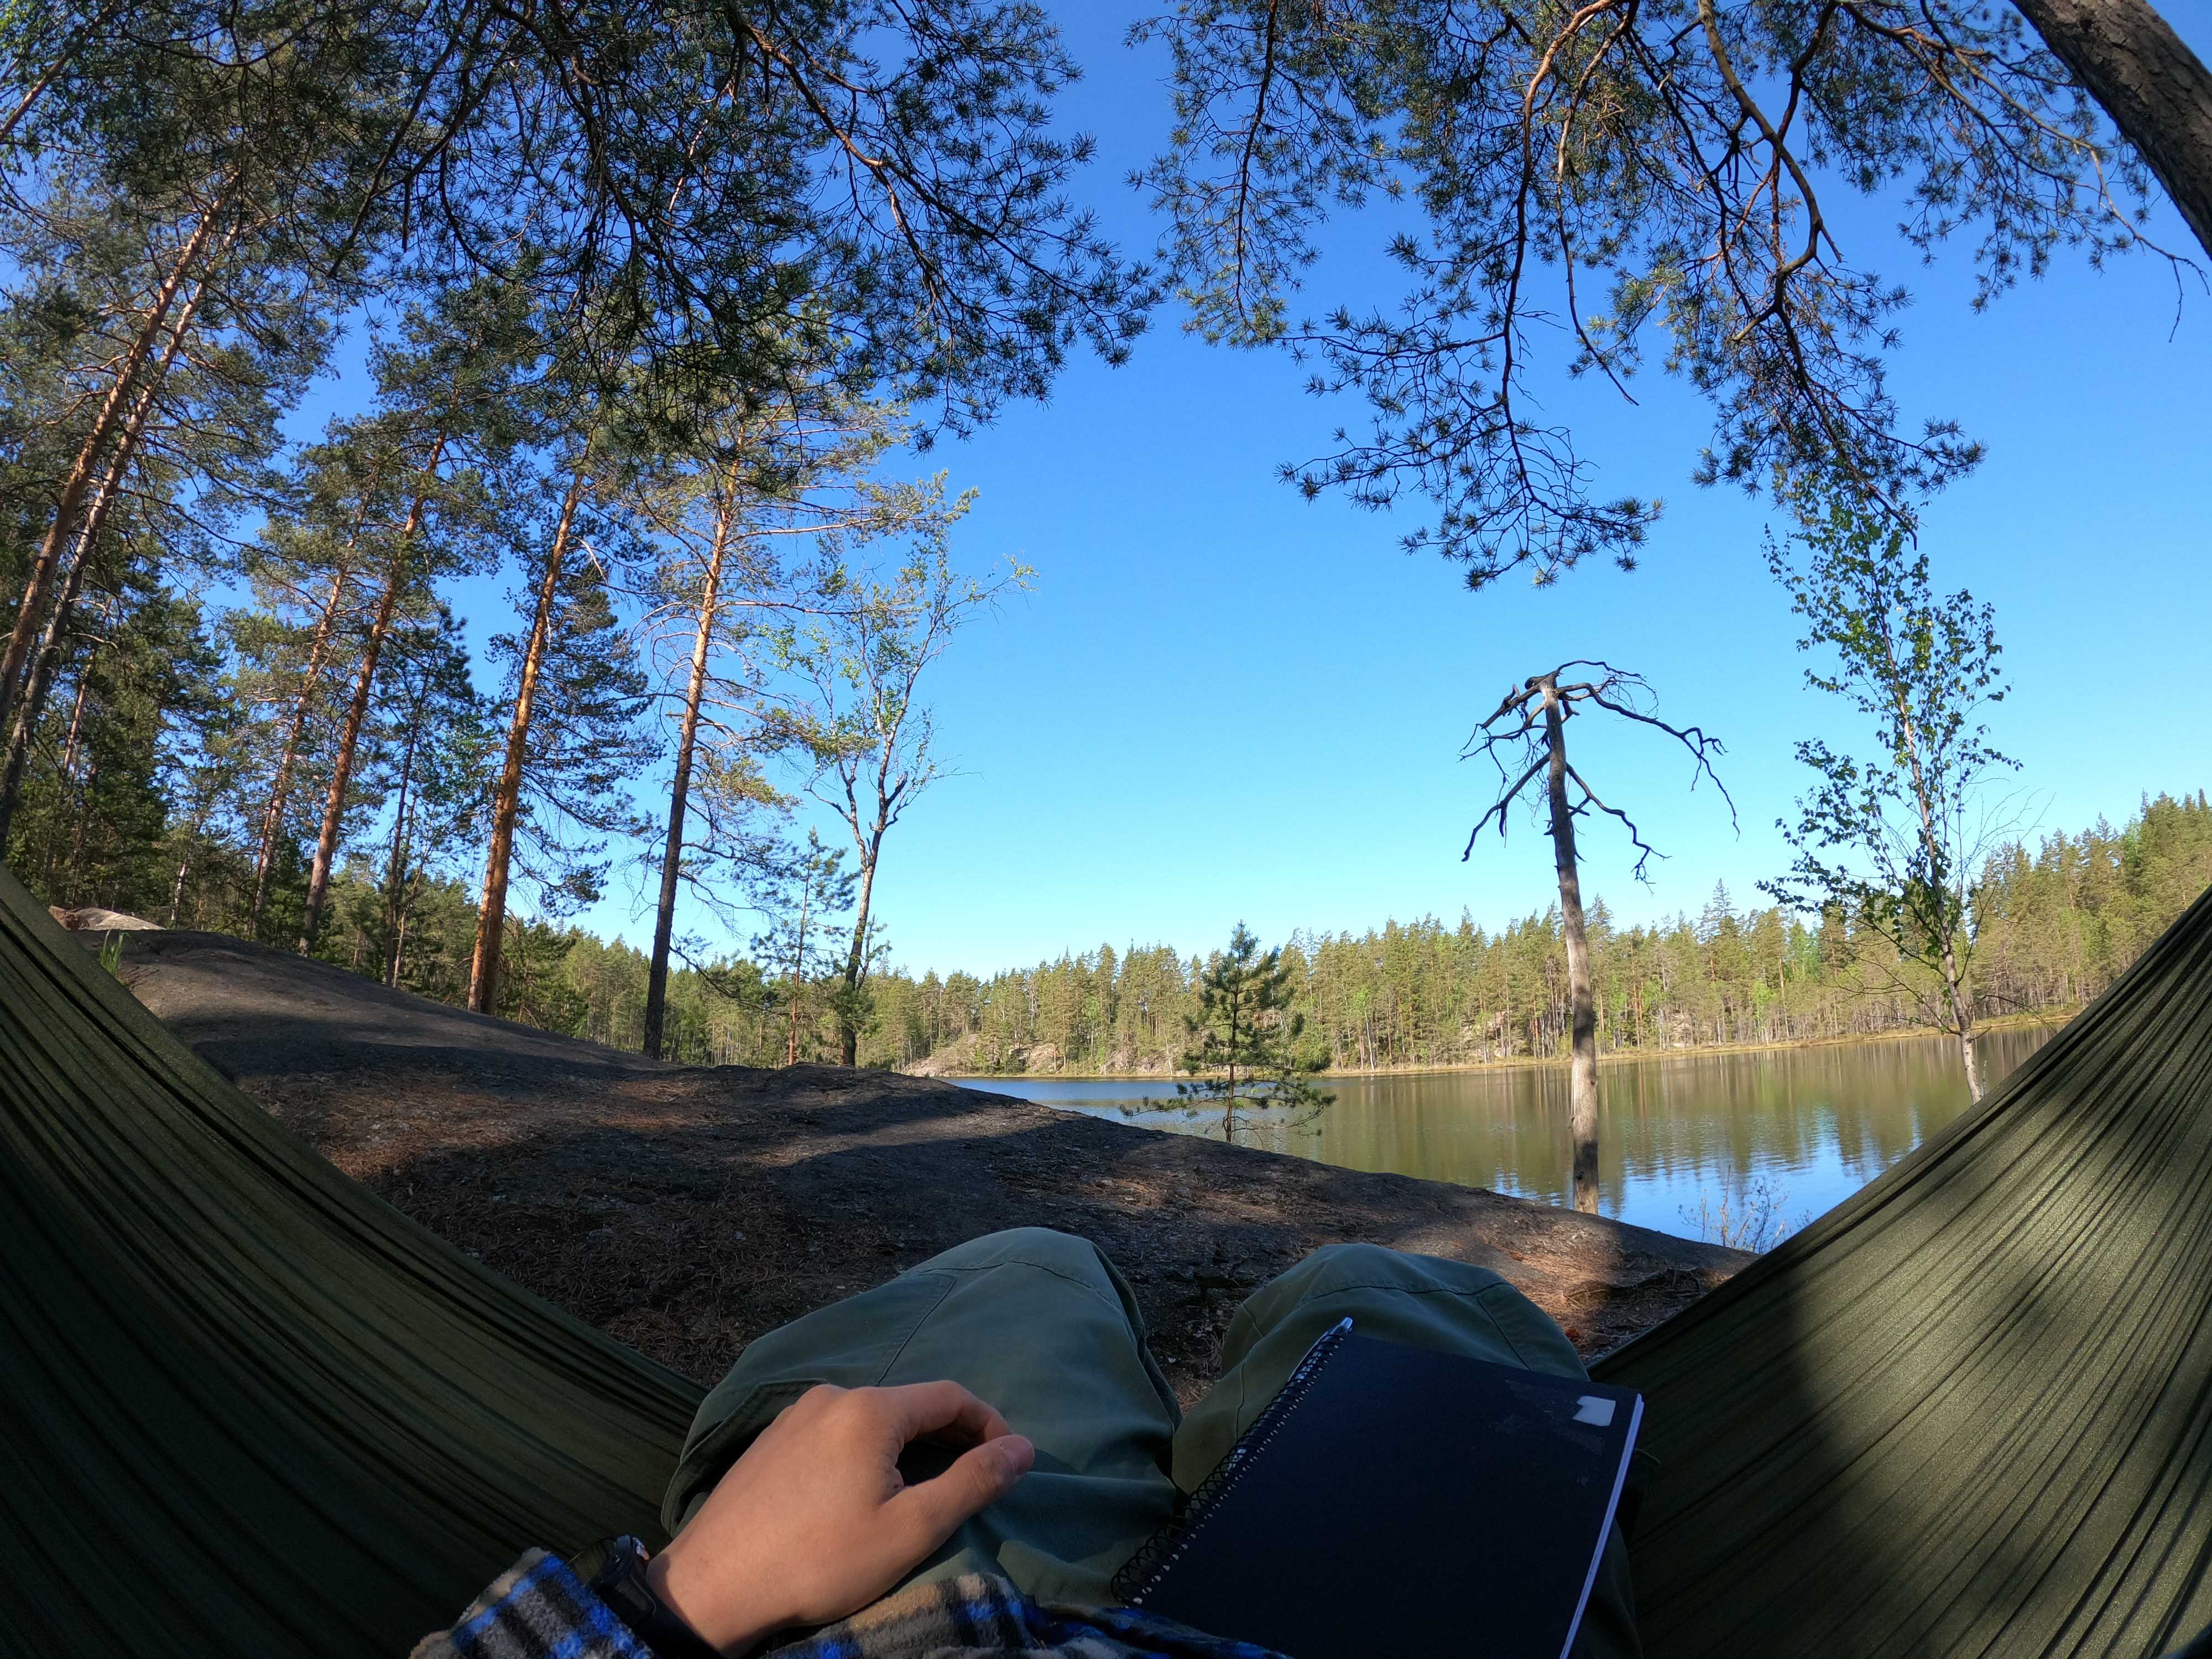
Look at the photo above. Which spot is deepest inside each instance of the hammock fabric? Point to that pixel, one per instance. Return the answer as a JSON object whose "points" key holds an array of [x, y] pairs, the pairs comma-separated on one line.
{"points": [[251, 1409], [245, 1405], [1969, 1411]]}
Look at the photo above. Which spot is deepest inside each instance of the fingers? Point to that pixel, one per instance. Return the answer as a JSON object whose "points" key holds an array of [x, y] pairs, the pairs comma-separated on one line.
{"points": [[946, 1410], [978, 1478]]}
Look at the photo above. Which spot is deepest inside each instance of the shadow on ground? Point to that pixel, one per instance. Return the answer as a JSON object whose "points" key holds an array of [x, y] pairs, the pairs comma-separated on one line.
{"points": [[687, 1210]]}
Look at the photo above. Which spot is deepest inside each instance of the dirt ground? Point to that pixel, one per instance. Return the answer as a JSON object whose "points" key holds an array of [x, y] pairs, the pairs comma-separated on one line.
{"points": [[685, 1211]]}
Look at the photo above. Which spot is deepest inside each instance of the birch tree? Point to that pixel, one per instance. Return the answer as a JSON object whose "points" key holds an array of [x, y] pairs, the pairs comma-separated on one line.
{"points": [[868, 738], [1893, 835]]}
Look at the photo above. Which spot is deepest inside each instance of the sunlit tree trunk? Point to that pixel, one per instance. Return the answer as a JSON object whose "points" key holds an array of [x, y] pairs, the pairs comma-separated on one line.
{"points": [[396, 867], [2157, 91], [326, 843], [280, 790], [797, 967], [506, 800], [31, 706], [856, 958], [176, 890], [68, 507], [687, 738]]}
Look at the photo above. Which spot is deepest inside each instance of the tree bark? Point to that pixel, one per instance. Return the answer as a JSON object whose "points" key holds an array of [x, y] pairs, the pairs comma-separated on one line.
{"points": [[177, 891], [1582, 1099], [48, 558], [272, 813], [68, 767], [1962, 1018], [47, 663], [396, 868], [326, 843], [856, 959], [680, 792], [798, 969], [2157, 91], [83, 827], [507, 800]]}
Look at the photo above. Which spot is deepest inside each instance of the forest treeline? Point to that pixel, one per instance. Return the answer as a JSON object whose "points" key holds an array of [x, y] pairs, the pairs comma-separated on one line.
{"points": [[622, 333], [2054, 924]]}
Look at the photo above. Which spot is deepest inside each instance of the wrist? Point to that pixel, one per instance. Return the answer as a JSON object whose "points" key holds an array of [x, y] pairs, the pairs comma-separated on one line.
{"points": [[618, 1572], [701, 1597]]}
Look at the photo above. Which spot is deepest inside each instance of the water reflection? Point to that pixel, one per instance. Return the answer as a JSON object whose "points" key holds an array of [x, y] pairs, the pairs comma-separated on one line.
{"points": [[1814, 1124]]}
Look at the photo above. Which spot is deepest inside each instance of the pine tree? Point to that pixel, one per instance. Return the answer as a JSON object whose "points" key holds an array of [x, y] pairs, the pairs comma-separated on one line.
{"points": [[816, 890], [451, 416], [436, 747], [565, 787], [1244, 1023]]}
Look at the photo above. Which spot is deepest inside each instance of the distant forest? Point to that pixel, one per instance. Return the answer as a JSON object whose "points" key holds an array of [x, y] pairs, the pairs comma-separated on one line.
{"points": [[2055, 923]]}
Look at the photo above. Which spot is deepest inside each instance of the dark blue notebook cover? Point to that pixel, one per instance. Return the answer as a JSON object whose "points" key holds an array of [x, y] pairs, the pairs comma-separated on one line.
{"points": [[1396, 1500]]}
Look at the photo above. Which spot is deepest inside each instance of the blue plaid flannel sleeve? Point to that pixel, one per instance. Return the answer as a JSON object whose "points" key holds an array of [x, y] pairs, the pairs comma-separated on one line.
{"points": [[537, 1609], [540, 1610]]}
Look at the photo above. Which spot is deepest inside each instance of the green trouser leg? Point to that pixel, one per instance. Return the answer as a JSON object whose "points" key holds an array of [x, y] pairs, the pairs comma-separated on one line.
{"points": [[1040, 1325], [1037, 1324]]}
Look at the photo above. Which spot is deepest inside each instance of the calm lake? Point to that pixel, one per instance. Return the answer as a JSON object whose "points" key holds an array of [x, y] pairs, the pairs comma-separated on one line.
{"points": [[1796, 1129]]}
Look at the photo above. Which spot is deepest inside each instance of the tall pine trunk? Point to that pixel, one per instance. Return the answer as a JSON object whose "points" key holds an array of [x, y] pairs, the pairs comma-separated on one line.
{"points": [[47, 560], [680, 792], [334, 800], [507, 800], [2157, 91], [32, 705], [396, 868], [1582, 1097], [280, 790]]}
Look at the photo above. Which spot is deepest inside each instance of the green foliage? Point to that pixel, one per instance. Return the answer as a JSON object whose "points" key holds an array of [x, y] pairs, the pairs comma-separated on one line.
{"points": [[1572, 188], [1244, 1023], [2055, 923], [814, 890], [586, 742], [877, 192], [1892, 836]]}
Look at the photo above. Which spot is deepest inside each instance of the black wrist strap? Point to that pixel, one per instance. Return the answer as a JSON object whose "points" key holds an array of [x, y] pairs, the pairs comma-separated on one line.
{"points": [[614, 1569]]}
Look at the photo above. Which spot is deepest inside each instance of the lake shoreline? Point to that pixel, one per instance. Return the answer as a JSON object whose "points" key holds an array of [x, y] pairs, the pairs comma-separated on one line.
{"points": [[2048, 1019]]}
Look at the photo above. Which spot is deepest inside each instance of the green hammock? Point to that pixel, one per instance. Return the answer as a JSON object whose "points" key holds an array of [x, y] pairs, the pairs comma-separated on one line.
{"points": [[249, 1409], [1968, 1411]]}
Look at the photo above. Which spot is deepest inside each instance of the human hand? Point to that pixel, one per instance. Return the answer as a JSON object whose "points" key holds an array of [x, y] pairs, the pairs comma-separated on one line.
{"points": [[815, 1521]]}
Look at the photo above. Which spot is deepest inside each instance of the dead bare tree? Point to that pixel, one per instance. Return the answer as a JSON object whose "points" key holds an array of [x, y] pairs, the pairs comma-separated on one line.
{"points": [[1528, 735]]}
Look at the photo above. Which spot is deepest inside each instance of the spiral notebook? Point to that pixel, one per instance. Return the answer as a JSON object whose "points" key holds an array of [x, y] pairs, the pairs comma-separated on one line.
{"points": [[1392, 1499]]}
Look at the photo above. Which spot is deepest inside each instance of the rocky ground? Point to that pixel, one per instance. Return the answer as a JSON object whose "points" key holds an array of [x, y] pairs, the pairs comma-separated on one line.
{"points": [[687, 1210]]}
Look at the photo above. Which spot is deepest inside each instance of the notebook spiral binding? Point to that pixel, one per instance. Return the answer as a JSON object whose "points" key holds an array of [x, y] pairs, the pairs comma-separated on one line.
{"points": [[1142, 1571]]}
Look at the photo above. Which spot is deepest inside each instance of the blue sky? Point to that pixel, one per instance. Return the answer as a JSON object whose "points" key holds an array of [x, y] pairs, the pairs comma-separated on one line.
{"points": [[1224, 703]]}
